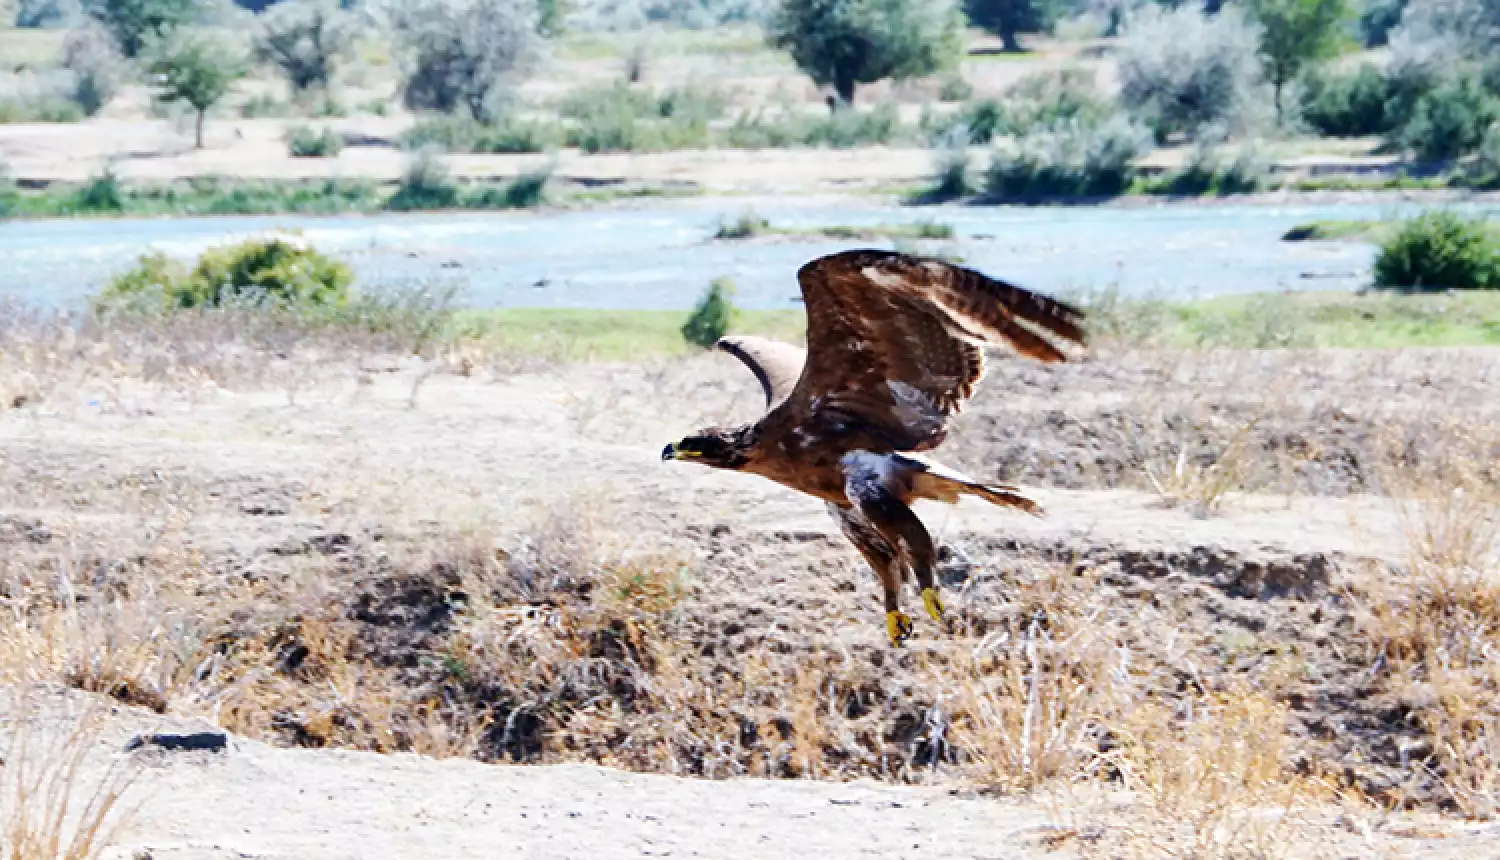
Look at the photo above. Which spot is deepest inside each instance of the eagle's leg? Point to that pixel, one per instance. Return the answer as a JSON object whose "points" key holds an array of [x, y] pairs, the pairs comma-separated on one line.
{"points": [[886, 563], [867, 484]]}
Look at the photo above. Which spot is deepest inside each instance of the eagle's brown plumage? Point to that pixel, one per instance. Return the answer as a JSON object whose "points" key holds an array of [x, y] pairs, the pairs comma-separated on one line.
{"points": [[894, 351]]}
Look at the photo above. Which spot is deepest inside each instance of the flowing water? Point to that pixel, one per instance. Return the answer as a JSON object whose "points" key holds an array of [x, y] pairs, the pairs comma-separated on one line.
{"points": [[661, 255]]}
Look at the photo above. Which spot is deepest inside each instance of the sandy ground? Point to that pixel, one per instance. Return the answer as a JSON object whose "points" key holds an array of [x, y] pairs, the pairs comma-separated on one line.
{"points": [[511, 445], [250, 800], [156, 150], [257, 801]]}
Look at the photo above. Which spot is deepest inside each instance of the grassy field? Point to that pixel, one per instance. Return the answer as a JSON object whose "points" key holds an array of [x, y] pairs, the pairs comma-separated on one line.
{"points": [[1371, 320], [578, 334], [1261, 321]]}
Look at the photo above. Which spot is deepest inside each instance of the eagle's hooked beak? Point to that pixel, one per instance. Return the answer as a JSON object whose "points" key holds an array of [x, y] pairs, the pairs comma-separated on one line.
{"points": [[672, 452]]}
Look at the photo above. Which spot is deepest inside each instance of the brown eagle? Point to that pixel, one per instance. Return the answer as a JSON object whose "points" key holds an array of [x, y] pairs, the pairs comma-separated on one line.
{"points": [[894, 349]]}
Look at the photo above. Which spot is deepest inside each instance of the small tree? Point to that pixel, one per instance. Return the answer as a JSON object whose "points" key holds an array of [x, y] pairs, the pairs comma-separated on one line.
{"points": [[1295, 32], [305, 39], [136, 23], [1184, 71], [463, 53], [199, 70], [1008, 18], [713, 316], [845, 43]]}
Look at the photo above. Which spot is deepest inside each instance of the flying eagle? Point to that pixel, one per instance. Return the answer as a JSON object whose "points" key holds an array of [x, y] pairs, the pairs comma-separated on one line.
{"points": [[894, 349]]}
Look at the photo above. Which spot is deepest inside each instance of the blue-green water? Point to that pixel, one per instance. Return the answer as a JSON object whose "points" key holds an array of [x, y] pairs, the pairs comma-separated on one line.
{"points": [[661, 256]]}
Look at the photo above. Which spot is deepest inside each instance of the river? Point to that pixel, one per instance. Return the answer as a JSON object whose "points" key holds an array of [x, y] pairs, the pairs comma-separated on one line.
{"points": [[660, 254]]}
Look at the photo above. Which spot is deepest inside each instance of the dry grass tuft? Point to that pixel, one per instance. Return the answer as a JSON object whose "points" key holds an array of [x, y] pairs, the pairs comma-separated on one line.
{"points": [[52, 805], [1434, 623]]}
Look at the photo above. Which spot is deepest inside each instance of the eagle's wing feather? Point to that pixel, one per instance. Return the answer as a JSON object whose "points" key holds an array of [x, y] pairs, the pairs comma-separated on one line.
{"points": [[894, 341], [777, 365]]}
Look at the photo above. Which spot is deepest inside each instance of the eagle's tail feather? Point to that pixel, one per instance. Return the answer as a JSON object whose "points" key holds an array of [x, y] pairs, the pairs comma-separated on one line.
{"points": [[1003, 495], [941, 484]]}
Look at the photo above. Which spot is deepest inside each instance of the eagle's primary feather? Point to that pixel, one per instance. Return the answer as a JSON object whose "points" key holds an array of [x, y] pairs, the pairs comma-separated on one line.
{"points": [[894, 350]]}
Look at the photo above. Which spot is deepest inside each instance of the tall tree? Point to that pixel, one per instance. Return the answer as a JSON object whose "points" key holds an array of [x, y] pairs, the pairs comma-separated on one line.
{"points": [[465, 53], [1294, 33], [1009, 18], [845, 43]]}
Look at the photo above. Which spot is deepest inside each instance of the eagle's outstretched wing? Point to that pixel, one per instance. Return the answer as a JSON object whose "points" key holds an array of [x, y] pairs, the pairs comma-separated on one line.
{"points": [[777, 365], [894, 341]]}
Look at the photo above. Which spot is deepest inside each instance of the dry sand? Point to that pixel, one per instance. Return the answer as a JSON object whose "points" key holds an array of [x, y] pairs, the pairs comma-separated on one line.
{"points": [[509, 446]]}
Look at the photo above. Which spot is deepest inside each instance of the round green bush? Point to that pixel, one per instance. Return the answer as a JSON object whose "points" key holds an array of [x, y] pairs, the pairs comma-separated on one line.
{"points": [[273, 271], [1440, 250]]}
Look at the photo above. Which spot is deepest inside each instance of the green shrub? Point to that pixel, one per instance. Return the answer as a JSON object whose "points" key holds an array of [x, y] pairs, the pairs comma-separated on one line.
{"points": [[1070, 159], [713, 316], [259, 272], [1207, 172], [102, 194], [524, 192], [155, 277], [621, 118], [306, 142], [1346, 104], [1449, 121], [1440, 250], [465, 134], [426, 184], [747, 226]]}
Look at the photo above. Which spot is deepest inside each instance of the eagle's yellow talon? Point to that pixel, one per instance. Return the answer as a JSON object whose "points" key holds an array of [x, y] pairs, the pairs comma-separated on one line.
{"points": [[934, 603], [898, 625]]}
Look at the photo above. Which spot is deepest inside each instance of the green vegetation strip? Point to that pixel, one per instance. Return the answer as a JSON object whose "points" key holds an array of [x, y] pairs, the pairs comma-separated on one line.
{"points": [[1335, 320], [107, 197], [599, 335], [1373, 232], [1373, 320], [751, 227]]}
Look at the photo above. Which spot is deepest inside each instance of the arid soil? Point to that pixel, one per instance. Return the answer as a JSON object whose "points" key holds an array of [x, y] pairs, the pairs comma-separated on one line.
{"points": [[490, 561]]}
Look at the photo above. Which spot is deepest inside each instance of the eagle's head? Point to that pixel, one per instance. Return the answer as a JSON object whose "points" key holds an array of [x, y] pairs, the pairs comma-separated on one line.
{"points": [[714, 446]]}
